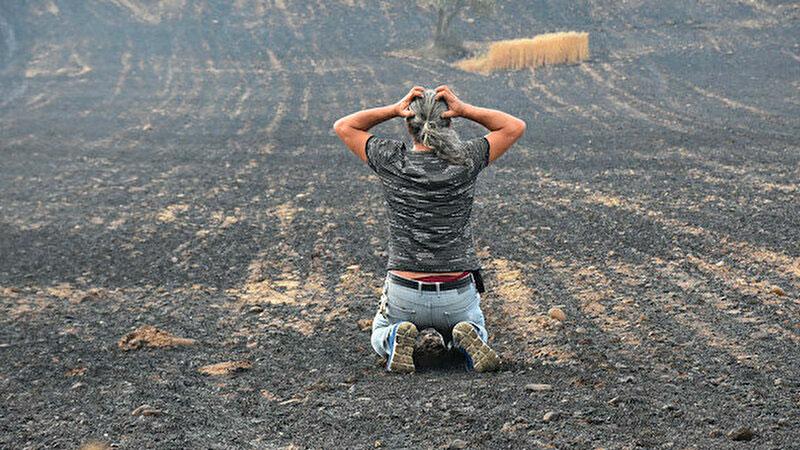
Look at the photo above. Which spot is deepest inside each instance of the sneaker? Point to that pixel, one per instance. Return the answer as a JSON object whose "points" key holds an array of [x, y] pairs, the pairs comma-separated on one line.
{"points": [[401, 345], [480, 357]]}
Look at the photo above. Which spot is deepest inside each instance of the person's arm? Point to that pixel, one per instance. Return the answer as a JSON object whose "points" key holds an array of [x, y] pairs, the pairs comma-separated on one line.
{"points": [[352, 129], [504, 128]]}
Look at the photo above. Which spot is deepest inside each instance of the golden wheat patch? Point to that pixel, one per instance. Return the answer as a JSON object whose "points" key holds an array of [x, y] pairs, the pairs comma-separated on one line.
{"points": [[542, 50]]}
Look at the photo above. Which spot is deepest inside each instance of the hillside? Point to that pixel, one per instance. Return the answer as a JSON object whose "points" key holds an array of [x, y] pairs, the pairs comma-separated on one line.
{"points": [[173, 164]]}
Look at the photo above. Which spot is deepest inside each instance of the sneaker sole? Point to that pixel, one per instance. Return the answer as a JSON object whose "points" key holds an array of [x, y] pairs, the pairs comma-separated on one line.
{"points": [[403, 355], [484, 359]]}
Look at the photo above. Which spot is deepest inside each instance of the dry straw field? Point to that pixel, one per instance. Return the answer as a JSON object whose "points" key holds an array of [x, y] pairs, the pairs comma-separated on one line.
{"points": [[189, 257], [542, 50]]}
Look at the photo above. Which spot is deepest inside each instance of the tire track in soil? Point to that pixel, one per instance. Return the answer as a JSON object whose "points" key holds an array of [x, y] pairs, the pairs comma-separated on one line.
{"points": [[736, 281], [729, 176], [591, 294], [705, 121], [784, 264], [512, 306], [635, 107], [580, 278], [322, 301], [560, 103]]}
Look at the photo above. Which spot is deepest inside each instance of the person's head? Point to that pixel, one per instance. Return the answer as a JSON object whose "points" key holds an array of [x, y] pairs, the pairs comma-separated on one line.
{"points": [[428, 128]]}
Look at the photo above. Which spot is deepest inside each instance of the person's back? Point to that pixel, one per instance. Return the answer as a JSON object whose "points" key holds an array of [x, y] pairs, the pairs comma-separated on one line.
{"points": [[429, 202], [433, 274]]}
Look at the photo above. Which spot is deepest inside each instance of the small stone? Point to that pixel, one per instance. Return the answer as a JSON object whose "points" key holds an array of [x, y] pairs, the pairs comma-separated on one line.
{"points": [[514, 425], [778, 291], [457, 444], [778, 382], [364, 324], [550, 416], [557, 314], [535, 387], [77, 385], [145, 410], [740, 434], [255, 309], [614, 401], [378, 443]]}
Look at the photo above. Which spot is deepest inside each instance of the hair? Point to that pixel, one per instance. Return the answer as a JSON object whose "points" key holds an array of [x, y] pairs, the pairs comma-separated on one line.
{"points": [[430, 129]]}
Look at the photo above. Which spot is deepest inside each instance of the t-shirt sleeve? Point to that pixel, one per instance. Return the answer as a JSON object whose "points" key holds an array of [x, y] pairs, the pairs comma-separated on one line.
{"points": [[380, 151], [478, 151]]}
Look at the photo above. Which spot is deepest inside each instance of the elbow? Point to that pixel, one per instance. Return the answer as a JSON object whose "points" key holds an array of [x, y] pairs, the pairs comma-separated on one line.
{"points": [[520, 127], [338, 127]]}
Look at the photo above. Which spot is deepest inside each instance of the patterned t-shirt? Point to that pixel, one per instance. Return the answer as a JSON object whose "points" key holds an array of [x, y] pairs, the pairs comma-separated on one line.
{"points": [[429, 202]]}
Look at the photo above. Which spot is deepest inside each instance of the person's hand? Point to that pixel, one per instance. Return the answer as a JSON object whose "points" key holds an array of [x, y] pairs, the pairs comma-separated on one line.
{"points": [[401, 107], [455, 107]]}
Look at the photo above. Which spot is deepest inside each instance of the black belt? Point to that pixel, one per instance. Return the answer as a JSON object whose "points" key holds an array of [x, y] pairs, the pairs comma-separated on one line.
{"points": [[431, 285]]}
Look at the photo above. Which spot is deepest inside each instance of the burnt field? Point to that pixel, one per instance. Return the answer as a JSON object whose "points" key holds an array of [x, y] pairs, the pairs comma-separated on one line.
{"points": [[172, 164]]}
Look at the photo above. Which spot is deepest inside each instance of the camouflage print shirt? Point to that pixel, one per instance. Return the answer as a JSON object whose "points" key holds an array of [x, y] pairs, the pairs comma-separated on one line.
{"points": [[429, 202]]}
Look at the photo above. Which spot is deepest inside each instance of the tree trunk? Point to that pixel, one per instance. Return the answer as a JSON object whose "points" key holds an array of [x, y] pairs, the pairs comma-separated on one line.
{"points": [[444, 36], [439, 35]]}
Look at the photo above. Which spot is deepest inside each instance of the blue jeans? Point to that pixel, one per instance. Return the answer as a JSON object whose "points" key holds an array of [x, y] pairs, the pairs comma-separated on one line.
{"points": [[425, 309]]}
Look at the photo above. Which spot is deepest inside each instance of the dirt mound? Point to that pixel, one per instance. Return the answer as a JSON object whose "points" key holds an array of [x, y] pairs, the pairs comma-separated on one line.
{"points": [[150, 336], [95, 445], [225, 368]]}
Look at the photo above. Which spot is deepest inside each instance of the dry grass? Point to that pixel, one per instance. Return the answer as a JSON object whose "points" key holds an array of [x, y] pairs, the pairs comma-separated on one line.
{"points": [[544, 49]]}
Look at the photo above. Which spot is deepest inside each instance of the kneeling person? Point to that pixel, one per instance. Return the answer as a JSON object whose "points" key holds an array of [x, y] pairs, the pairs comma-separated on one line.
{"points": [[433, 273]]}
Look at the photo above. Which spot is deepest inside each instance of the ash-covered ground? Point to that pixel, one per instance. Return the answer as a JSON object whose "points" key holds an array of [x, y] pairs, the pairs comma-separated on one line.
{"points": [[172, 164]]}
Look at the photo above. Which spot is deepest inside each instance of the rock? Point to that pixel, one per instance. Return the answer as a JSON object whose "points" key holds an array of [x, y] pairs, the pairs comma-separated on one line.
{"points": [[557, 314], [145, 410], [364, 324], [267, 394], [741, 434], [256, 309], [514, 425], [551, 416], [457, 444], [95, 445], [535, 387], [225, 368], [778, 291], [430, 350], [150, 336]]}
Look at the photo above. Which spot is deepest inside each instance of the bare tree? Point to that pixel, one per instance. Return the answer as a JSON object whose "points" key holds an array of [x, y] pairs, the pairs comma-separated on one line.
{"points": [[444, 39]]}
